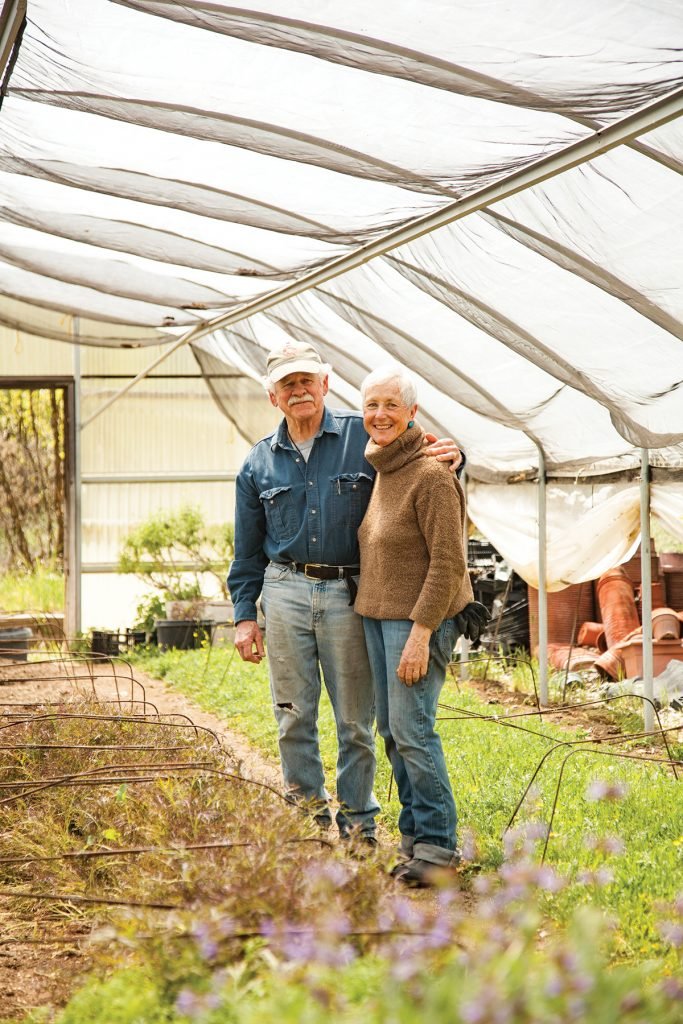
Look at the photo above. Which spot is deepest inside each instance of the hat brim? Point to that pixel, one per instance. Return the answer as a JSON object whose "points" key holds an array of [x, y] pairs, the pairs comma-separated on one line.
{"points": [[296, 366]]}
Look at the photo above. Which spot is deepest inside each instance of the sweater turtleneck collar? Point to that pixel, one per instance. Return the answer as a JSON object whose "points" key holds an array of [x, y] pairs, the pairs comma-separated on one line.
{"points": [[405, 448]]}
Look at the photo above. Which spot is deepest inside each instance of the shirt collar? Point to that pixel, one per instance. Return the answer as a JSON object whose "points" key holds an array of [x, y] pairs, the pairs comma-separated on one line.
{"points": [[329, 425]]}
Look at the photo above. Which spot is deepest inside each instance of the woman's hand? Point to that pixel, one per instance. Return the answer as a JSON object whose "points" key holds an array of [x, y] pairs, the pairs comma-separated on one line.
{"points": [[415, 655]]}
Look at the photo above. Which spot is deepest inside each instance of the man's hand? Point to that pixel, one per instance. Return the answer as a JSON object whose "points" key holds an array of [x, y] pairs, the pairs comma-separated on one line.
{"points": [[415, 655], [249, 641], [445, 450]]}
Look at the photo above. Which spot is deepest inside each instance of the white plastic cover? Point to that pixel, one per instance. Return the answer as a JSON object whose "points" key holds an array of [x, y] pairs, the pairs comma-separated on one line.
{"points": [[164, 163]]}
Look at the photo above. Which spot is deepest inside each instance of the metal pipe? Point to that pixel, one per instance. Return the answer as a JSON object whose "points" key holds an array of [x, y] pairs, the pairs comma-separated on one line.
{"points": [[464, 642], [542, 584], [12, 17], [646, 587], [72, 622], [651, 116], [157, 478]]}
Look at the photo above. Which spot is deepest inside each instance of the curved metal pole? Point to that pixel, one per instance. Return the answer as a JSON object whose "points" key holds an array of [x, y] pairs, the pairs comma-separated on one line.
{"points": [[542, 574], [646, 588]]}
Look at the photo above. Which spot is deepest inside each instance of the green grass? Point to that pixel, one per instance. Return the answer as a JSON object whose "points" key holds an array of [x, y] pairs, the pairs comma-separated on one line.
{"points": [[42, 591], [489, 766]]}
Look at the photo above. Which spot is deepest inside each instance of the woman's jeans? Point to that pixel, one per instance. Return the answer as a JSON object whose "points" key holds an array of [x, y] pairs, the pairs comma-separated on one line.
{"points": [[405, 720], [310, 626]]}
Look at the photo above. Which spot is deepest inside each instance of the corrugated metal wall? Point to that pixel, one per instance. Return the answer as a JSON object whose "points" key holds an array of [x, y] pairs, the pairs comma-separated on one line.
{"points": [[168, 423]]}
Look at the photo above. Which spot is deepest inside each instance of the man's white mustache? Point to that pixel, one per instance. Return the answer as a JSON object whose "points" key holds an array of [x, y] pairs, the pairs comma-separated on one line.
{"points": [[298, 401]]}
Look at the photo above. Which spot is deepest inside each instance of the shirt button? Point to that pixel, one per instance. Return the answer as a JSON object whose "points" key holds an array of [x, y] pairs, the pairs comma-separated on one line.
{"points": [[354, 487], [297, 460], [314, 539], [310, 483], [312, 511]]}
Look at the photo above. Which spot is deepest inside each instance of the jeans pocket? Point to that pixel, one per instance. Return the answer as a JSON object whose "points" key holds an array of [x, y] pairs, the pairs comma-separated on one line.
{"points": [[443, 640], [276, 572]]}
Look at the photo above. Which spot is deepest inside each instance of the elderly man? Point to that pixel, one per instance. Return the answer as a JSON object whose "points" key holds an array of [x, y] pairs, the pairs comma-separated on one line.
{"points": [[301, 495]]}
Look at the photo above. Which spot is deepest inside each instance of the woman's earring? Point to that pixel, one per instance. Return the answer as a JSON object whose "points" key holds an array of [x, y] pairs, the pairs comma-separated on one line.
{"points": [[411, 423]]}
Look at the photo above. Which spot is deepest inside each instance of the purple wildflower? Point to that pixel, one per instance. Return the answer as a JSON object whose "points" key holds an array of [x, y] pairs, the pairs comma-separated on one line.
{"points": [[206, 943], [407, 913], [600, 877], [672, 932], [602, 789], [188, 1003], [605, 844], [672, 988], [468, 845]]}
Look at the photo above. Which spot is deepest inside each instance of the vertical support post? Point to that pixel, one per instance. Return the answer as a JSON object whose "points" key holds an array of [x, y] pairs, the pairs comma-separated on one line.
{"points": [[542, 576], [464, 642], [646, 585], [72, 624]]}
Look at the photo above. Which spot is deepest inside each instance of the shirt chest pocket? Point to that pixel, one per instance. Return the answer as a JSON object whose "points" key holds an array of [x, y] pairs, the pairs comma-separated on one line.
{"points": [[278, 504], [350, 497]]}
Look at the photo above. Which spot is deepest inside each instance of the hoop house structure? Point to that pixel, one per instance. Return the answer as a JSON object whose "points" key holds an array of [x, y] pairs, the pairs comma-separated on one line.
{"points": [[489, 193]]}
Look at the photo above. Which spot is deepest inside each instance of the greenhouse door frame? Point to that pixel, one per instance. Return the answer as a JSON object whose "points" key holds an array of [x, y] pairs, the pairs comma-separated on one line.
{"points": [[72, 505]]}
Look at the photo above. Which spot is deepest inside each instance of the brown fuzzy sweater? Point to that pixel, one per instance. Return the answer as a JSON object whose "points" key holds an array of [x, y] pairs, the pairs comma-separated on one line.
{"points": [[412, 552]]}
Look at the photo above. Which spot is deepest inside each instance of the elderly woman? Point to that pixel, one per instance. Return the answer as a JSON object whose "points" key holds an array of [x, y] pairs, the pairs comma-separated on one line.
{"points": [[413, 585]]}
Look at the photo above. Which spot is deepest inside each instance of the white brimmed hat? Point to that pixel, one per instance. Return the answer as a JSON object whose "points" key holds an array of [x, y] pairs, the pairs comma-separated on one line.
{"points": [[294, 357]]}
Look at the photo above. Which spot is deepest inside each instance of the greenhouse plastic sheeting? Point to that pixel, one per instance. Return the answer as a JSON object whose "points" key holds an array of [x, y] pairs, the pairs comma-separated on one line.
{"points": [[164, 166], [590, 527]]}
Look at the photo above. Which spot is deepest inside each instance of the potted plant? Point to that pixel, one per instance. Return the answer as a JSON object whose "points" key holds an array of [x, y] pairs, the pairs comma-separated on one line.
{"points": [[174, 552]]}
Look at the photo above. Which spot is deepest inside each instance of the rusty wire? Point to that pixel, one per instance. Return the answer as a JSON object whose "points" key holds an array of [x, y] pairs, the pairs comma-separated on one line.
{"points": [[136, 719], [87, 778], [76, 678], [598, 753], [518, 659], [585, 743], [65, 897], [135, 851], [617, 737]]}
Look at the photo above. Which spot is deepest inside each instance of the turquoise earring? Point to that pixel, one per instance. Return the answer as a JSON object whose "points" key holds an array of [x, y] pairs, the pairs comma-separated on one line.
{"points": [[411, 423]]}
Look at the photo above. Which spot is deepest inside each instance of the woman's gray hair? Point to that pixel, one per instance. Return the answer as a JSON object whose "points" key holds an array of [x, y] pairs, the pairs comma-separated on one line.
{"points": [[389, 372]]}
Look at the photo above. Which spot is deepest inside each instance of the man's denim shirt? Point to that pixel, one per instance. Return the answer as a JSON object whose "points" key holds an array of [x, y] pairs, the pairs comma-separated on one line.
{"points": [[288, 510]]}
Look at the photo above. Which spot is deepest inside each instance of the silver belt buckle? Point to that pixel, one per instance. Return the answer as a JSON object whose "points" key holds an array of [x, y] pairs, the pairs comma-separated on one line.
{"points": [[312, 565]]}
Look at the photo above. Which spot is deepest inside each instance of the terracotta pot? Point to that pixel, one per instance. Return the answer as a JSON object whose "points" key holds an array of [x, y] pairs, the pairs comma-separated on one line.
{"points": [[665, 624], [663, 651], [611, 664], [592, 634], [567, 609], [617, 605], [633, 568], [658, 596], [674, 588], [671, 561], [563, 656]]}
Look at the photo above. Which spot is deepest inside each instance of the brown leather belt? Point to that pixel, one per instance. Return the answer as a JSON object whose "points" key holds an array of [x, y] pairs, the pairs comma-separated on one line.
{"points": [[315, 571]]}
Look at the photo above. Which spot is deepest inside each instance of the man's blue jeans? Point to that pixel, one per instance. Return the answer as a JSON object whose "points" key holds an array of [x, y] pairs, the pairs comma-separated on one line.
{"points": [[310, 626], [405, 719]]}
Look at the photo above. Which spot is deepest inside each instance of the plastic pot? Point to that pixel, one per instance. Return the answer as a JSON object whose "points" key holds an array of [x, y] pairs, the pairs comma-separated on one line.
{"points": [[14, 643], [177, 633], [105, 642]]}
